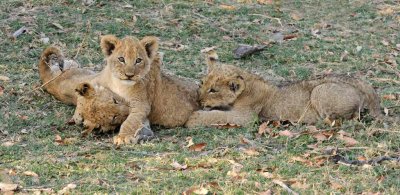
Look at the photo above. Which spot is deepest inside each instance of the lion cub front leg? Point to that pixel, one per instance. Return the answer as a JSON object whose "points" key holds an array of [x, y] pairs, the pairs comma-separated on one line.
{"points": [[134, 128], [208, 118]]}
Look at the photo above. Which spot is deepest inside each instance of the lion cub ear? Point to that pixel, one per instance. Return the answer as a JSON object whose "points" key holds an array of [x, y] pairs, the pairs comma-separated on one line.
{"points": [[108, 44], [85, 90], [150, 44], [237, 85]]}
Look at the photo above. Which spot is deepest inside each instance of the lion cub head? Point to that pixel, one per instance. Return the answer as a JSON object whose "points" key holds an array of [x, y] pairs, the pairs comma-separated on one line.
{"points": [[99, 108], [222, 85], [129, 58]]}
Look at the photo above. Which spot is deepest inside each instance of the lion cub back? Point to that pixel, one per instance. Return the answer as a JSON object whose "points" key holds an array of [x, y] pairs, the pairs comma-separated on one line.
{"points": [[175, 101]]}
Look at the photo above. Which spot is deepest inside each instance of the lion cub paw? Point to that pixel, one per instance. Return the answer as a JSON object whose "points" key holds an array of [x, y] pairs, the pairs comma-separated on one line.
{"points": [[143, 134]]}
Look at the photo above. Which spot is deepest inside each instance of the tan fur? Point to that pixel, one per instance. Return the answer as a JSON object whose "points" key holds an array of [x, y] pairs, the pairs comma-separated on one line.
{"points": [[61, 76], [99, 108], [151, 94], [244, 95]]}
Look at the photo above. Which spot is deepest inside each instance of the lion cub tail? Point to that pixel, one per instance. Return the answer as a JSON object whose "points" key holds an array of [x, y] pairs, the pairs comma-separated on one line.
{"points": [[371, 97], [50, 56], [211, 57]]}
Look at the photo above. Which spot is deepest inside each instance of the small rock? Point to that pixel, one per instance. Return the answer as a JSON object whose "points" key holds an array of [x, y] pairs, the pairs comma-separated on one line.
{"points": [[359, 48]]}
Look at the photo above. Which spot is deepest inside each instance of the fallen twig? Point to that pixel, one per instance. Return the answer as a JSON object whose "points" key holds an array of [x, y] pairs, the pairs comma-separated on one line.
{"points": [[342, 160], [19, 32], [386, 80], [83, 40], [269, 17], [284, 186], [213, 24]]}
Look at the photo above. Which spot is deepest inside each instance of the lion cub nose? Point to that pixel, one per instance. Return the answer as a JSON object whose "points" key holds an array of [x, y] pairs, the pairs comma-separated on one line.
{"points": [[129, 75]]}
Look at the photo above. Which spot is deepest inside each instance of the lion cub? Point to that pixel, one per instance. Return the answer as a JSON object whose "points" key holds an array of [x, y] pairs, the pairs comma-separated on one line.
{"points": [[60, 76], [131, 73], [236, 96]]}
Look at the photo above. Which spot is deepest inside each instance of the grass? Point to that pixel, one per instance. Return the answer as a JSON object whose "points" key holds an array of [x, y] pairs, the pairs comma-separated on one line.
{"points": [[30, 119]]}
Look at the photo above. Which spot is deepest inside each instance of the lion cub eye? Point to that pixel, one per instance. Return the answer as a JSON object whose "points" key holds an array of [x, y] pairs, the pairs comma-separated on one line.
{"points": [[121, 59], [212, 90], [115, 101], [138, 60]]}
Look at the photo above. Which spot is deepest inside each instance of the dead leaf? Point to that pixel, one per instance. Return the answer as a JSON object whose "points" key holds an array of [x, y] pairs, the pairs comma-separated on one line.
{"points": [[208, 49], [58, 140], [227, 7], [319, 161], [380, 179], [174, 46], [268, 192], [296, 16], [336, 185], [7, 187], [70, 140], [190, 141], [264, 128], [389, 97], [265, 2], [386, 11], [344, 133], [198, 147], [320, 137], [287, 133], [267, 175], [58, 25], [178, 166], [12, 172], [312, 128], [251, 152], [128, 6], [66, 189], [1, 90], [277, 37], [300, 185], [316, 33], [30, 173], [276, 123], [226, 38], [23, 117], [385, 43], [302, 160], [348, 140], [291, 36], [361, 158], [386, 111], [7, 144], [344, 56], [4, 78], [201, 191], [195, 190], [235, 171], [245, 50], [225, 126], [244, 140]]}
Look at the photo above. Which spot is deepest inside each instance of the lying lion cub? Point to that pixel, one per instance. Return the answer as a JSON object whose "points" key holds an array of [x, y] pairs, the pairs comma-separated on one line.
{"points": [[60, 77], [100, 108], [236, 96]]}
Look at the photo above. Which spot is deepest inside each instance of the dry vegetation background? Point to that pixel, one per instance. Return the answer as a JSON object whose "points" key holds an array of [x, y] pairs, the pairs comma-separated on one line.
{"points": [[41, 153]]}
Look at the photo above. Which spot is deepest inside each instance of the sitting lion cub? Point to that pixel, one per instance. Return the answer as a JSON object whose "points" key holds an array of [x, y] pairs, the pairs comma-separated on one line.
{"points": [[236, 96]]}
